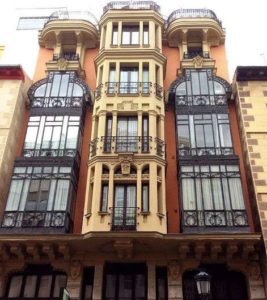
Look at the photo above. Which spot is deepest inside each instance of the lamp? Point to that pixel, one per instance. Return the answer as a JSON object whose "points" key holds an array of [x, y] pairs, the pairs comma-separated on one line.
{"points": [[203, 283]]}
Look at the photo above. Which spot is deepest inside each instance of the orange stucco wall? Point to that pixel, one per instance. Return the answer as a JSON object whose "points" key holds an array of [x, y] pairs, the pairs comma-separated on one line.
{"points": [[219, 55]]}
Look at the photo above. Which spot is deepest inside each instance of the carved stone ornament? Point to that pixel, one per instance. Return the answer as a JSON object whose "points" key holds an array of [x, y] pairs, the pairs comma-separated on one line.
{"points": [[62, 64], [126, 164], [198, 61], [174, 271], [254, 270], [75, 269]]}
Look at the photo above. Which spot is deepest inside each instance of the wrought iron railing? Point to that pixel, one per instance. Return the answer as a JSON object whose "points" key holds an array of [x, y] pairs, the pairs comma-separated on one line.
{"points": [[126, 143], [214, 218], [57, 102], [132, 5], [192, 13], [160, 146], [202, 151], [67, 56], [93, 147], [123, 218], [49, 152], [98, 91], [192, 54], [36, 219], [201, 100], [158, 90], [128, 88]]}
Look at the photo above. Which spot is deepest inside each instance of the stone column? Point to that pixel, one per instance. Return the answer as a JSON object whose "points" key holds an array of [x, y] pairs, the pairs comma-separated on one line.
{"points": [[98, 279], [74, 280], [151, 281], [175, 289]]}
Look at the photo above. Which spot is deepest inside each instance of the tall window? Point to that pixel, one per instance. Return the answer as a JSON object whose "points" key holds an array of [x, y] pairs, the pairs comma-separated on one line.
{"points": [[108, 134], [130, 34], [38, 196], [125, 281], [145, 34], [52, 136], [37, 282], [128, 80], [212, 196], [112, 78], [114, 34], [124, 210], [127, 139]]}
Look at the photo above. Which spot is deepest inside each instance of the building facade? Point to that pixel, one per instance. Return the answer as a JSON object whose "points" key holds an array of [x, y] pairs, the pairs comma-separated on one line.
{"points": [[130, 175]]}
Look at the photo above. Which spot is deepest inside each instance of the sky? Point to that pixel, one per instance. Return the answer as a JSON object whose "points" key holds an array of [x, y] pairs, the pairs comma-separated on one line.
{"points": [[245, 23]]}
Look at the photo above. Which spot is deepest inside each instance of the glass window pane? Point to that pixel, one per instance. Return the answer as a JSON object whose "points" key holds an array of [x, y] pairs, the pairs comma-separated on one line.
{"points": [[195, 83], [45, 286], [60, 281], [207, 194], [56, 137], [30, 286], [188, 192], [104, 200], [14, 195], [30, 138], [218, 88], [125, 286], [64, 85], [62, 195], [77, 91], [236, 193], [225, 135], [135, 37], [72, 137], [110, 286], [145, 35], [145, 199], [46, 144], [15, 286], [40, 91], [203, 83], [55, 86], [125, 37], [140, 288]]}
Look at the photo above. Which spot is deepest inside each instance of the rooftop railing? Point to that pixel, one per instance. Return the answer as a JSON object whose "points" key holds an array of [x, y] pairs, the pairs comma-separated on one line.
{"points": [[192, 13], [147, 5]]}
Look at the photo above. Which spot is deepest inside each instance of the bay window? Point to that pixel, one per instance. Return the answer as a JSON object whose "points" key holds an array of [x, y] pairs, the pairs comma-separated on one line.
{"points": [[38, 197], [130, 34], [52, 136], [212, 196]]}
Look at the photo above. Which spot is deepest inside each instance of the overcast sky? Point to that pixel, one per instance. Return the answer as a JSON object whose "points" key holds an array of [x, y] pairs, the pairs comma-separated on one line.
{"points": [[245, 23]]}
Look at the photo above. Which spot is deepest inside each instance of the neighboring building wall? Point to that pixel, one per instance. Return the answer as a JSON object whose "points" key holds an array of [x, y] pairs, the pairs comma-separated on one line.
{"points": [[13, 88], [2, 49]]}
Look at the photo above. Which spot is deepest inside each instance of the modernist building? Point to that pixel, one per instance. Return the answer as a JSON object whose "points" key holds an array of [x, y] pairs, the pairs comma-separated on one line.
{"points": [[129, 177]]}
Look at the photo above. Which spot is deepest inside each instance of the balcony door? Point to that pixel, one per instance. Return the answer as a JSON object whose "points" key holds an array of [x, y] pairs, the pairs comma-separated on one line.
{"points": [[124, 211], [128, 80], [127, 135]]}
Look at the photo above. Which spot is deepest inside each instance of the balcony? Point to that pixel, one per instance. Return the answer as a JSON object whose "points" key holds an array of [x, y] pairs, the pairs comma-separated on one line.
{"points": [[192, 13], [125, 89], [214, 220], [44, 221], [67, 56], [124, 218], [192, 54], [129, 5], [123, 144], [205, 151]]}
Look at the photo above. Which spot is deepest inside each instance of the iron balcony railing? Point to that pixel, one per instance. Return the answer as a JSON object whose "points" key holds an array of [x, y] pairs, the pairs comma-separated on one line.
{"points": [[160, 145], [192, 13], [123, 218], [192, 54], [37, 219], [51, 153], [214, 218], [202, 151], [67, 56], [147, 5], [126, 88], [126, 143], [58, 102]]}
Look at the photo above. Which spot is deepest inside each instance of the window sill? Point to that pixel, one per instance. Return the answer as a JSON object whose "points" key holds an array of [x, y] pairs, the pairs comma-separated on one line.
{"points": [[103, 213], [145, 213], [160, 215], [88, 215], [130, 45]]}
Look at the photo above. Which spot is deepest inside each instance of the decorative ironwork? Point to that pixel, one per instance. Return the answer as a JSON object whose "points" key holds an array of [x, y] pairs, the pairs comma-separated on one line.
{"points": [[202, 151], [129, 88], [36, 219], [93, 146], [192, 54], [98, 91], [158, 90], [193, 13], [123, 218], [132, 5], [55, 102], [160, 146], [49, 152], [215, 218], [67, 56], [126, 143]]}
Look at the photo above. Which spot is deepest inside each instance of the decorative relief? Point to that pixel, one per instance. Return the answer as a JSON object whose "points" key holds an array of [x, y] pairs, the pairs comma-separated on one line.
{"points": [[254, 270], [125, 161], [174, 270], [75, 269], [198, 61], [62, 64], [127, 105]]}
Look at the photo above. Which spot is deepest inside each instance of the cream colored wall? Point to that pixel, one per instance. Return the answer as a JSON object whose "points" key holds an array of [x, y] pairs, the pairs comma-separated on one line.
{"points": [[127, 105], [13, 102]]}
